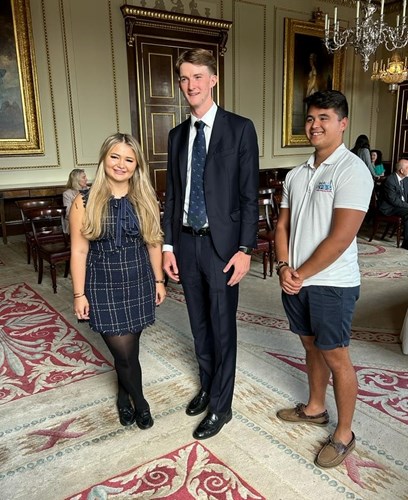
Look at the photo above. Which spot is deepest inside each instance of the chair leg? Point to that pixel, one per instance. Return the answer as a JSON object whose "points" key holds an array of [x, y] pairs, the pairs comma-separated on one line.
{"points": [[35, 258], [40, 270], [28, 252], [375, 229], [265, 264], [271, 260], [398, 235], [387, 228], [66, 268], [54, 277]]}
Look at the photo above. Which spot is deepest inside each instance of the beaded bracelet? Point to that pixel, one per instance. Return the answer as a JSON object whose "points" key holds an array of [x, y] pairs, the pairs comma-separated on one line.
{"points": [[159, 281]]}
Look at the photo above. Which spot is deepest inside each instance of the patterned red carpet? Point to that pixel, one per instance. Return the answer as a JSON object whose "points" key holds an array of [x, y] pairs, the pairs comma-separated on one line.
{"points": [[189, 472], [59, 432], [39, 350]]}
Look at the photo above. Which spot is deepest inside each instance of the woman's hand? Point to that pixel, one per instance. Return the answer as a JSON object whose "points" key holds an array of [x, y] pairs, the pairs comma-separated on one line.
{"points": [[160, 293], [81, 307]]}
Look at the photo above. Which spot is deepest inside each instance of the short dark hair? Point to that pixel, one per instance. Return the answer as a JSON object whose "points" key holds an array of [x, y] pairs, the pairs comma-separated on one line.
{"points": [[326, 99], [199, 57]]}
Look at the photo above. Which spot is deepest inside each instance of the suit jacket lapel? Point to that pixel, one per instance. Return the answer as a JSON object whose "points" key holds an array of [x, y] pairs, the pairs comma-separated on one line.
{"points": [[216, 133], [183, 153]]}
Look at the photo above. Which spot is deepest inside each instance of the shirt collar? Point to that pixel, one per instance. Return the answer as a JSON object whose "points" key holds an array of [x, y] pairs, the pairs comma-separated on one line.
{"points": [[208, 118], [329, 160]]}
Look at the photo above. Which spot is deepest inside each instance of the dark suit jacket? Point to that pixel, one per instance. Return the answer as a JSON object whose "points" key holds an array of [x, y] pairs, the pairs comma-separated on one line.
{"points": [[231, 180], [390, 196]]}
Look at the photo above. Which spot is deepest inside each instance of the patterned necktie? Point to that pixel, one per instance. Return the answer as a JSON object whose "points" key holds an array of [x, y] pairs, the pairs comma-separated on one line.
{"points": [[197, 214], [402, 190]]}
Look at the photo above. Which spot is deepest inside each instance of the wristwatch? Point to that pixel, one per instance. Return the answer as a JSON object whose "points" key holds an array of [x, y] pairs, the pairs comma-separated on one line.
{"points": [[245, 250]]}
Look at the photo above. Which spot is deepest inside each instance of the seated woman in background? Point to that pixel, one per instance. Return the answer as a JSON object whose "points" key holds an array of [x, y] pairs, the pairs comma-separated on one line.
{"points": [[77, 181], [376, 161]]}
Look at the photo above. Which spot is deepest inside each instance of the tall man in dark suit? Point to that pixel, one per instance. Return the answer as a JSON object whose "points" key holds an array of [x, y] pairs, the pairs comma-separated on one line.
{"points": [[210, 224], [394, 196]]}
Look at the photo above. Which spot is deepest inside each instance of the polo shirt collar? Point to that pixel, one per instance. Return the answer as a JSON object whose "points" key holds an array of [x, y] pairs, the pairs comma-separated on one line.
{"points": [[328, 161]]}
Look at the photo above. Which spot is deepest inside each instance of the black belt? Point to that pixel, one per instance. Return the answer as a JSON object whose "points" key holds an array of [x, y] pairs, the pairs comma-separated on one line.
{"points": [[205, 231]]}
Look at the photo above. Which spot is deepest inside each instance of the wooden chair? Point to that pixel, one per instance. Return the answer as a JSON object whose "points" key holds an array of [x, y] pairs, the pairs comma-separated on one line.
{"points": [[275, 195], [24, 206], [47, 223], [265, 192], [393, 223], [266, 235], [277, 198]]}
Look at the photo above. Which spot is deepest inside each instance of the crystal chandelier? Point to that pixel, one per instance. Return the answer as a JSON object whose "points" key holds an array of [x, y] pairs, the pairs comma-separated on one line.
{"points": [[368, 33], [393, 73]]}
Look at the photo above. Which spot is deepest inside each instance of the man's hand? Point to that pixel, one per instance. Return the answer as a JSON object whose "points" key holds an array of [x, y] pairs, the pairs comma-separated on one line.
{"points": [[241, 263], [289, 280], [170, 266]]}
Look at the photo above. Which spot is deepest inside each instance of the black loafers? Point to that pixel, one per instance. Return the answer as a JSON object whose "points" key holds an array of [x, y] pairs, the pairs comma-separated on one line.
{"points": [[198, 404], [211, 425], [144, 419], [126, 415]]}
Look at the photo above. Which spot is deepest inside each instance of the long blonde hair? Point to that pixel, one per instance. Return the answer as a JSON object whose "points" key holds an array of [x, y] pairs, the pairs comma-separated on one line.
{"points": [[141, 194]]}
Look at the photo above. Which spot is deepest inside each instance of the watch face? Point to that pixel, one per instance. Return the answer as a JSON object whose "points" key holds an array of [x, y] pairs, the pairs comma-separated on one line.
{"points": [[246, 250]]}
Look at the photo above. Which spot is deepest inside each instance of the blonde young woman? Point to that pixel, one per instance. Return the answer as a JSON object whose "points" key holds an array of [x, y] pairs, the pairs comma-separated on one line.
{"points": [[116, 264]]}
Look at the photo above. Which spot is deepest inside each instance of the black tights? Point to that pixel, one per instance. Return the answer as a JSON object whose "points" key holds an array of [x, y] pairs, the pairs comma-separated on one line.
{"points": [[125, 352]]}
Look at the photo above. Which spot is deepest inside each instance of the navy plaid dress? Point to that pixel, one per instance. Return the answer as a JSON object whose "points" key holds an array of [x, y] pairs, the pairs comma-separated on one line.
{"points": [[119, 283]]}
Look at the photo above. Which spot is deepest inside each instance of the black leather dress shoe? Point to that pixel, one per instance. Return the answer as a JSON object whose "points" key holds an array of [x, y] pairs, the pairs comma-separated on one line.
{"points": [[211, 425], [126, 415], [198, 404], [144, 420]]}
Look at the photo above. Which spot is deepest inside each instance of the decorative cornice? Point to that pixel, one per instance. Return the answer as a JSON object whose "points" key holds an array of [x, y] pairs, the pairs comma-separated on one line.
{"points": [[173, 17]]}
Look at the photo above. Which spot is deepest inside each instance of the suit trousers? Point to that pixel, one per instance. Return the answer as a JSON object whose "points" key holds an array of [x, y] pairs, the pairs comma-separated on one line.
{"points": [[212, 307], [402, 212]]}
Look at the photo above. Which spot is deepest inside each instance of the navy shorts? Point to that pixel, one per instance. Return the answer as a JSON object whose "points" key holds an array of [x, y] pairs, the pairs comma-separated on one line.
{"points": [[324, 312]]}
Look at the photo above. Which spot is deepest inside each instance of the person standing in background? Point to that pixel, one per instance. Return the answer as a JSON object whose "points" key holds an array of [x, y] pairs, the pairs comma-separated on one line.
{"points": [[323, 205], [210, 226], [116, 264], [362, 150]]}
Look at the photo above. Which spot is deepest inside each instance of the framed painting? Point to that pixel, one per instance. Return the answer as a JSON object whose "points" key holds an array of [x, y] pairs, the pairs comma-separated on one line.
{"points": [[308, 67], [20, 120]]}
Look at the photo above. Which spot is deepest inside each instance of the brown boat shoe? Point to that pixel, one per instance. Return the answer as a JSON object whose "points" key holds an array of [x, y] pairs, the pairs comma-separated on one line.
{"points": [[297, 415], [333, 453]]}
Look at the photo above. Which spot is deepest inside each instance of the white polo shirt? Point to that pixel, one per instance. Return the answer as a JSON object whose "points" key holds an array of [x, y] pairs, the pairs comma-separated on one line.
{"points": [[342, 181]]}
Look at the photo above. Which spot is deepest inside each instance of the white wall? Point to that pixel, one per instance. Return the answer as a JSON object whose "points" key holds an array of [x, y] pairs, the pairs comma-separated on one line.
{"points": [[82, 71]]}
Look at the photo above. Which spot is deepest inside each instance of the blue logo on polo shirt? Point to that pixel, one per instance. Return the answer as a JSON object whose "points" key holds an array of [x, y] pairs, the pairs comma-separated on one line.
{"points": [[325, 186]]}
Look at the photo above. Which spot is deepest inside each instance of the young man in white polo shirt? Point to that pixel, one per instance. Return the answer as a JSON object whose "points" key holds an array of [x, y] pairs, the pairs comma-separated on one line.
{"points": [[323, 205]]}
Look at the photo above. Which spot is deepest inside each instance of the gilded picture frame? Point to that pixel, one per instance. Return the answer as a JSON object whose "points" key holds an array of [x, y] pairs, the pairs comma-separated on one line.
{"points": [[20, 118], [307, 67]]}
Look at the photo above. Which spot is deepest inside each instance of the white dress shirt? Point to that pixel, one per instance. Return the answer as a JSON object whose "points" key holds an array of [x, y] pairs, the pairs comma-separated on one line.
{"points": [[208, 120]]}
